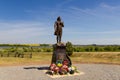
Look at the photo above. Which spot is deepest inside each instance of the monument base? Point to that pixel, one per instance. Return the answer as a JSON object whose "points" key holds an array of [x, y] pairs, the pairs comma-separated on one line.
{"points": [[59, 76], [59, 53], [61, 63]]}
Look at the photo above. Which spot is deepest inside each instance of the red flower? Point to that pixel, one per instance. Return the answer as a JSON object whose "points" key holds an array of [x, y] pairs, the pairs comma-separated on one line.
{"points": [[65, 62], [56, 69], [65, 67], [52, 66]]}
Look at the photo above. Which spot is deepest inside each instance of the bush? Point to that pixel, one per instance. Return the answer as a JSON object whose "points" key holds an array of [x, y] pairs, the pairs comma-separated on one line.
{"points": [[69, 48]]}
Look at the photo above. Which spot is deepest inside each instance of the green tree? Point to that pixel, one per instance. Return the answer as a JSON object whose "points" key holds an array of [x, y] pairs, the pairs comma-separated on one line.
{"points": [[69, 48], [108, 48], [25, 49]]}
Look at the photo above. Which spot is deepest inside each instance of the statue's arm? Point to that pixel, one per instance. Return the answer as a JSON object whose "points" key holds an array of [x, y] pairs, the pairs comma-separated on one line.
{"points": [[55, 26], [62, 24]]}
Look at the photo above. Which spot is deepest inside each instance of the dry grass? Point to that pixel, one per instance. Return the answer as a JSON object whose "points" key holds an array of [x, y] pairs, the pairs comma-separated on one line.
{"points": [[97, 57], [80, 57], [37, 58]]}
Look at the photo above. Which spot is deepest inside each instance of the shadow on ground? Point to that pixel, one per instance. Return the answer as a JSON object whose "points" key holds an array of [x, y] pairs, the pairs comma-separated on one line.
{"points": [[38, 68]]}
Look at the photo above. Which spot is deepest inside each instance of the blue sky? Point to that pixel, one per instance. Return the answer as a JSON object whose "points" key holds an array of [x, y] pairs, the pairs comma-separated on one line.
{"points": [[86, 21]]}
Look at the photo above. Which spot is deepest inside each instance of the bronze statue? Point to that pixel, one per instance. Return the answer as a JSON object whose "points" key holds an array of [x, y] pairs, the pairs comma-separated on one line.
{"points": [[58, 29]]}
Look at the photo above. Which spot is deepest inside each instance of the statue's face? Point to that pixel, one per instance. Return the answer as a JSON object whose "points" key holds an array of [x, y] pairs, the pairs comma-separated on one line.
{"points": [[59, 19]]}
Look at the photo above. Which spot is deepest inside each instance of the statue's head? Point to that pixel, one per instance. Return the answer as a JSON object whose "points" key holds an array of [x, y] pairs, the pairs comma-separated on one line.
{"points": [[59, 19]]}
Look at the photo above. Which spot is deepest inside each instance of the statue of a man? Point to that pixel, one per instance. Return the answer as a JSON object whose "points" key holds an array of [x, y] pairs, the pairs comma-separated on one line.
{"points": [[58, 29]]}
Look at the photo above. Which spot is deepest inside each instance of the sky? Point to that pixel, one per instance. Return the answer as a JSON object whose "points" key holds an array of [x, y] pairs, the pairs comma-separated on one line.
{"points": [[86, 21]]}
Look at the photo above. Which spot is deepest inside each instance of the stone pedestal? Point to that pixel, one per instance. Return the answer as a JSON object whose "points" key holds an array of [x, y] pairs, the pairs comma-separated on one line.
{"points": [[59, 53]]}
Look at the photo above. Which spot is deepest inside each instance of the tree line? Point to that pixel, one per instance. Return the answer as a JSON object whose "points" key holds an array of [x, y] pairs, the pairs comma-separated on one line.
{"points": [[24, 45], [92, 48], [69, 48]]}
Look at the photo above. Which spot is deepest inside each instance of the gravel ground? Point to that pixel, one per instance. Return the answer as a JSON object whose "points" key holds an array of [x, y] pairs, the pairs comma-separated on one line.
{"points": [[35, 72]]}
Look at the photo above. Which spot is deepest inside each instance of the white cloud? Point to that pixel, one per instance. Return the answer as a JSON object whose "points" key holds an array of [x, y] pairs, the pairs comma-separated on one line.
{"points": [[109, 7], [18, 32], [103, 10], [105, 41], [82, 11], [93, 32]]}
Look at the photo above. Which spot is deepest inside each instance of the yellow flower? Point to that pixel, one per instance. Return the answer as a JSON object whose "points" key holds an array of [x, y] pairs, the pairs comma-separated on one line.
{"points": [[59, 65]]}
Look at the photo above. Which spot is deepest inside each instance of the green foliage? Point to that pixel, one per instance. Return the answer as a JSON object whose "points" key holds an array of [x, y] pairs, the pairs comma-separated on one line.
{"points": [[13, 45], [25, 49], [95, 48], [46, 49], [44, 45], [69, 48]]}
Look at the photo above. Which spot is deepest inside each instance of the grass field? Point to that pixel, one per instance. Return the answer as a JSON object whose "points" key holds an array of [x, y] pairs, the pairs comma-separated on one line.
{"points": [[78, 57], [97, 57]]}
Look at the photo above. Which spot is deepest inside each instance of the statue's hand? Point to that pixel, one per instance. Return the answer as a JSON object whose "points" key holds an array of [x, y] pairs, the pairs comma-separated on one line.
{"points": [[62, 24]]}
